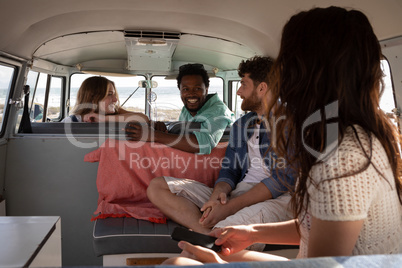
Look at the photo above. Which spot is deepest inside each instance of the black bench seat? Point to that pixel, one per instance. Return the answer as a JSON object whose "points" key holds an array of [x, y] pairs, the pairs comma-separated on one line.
{"points": [[129, 235]]}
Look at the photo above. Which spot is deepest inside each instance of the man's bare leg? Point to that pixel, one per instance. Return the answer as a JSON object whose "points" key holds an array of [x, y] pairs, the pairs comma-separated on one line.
{"points": [[176, 208]]}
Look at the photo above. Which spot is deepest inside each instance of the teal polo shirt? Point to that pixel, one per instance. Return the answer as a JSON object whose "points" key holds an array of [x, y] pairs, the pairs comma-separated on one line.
{"points": [[214, 117]]}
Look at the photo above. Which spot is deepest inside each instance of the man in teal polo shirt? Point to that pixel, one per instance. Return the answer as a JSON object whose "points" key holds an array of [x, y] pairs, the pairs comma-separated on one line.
{"points": [[206, 109]]}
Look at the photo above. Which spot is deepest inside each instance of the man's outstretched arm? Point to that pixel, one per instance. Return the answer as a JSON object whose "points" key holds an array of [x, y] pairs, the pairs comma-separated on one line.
{"points": [[142, 132]]}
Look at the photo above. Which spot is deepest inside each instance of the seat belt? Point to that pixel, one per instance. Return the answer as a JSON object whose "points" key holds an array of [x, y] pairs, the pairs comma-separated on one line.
{"points": [[74, 118], [25, 124]]}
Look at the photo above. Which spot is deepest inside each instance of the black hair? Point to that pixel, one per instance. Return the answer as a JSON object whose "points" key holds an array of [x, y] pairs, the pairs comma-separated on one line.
{"points": [[193, 69]]}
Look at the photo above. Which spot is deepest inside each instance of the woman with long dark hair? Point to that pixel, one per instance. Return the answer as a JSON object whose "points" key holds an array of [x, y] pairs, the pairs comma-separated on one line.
{"points": [[326, 84]]}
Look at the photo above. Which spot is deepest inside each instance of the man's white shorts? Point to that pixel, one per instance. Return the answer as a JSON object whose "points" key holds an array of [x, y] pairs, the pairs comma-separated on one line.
{"points": [[272, 210]]}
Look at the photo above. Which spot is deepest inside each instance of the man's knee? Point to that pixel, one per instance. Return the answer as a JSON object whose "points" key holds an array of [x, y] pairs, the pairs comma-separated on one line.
{"points": [[155, 186]]}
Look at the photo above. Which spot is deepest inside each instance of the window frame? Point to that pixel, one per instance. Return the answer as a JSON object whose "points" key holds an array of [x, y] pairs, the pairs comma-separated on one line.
{"points": [[48, 87], [10, 94]]}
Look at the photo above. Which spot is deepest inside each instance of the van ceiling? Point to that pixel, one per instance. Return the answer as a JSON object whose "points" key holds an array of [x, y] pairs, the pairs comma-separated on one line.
{"points": [[86, 33]]}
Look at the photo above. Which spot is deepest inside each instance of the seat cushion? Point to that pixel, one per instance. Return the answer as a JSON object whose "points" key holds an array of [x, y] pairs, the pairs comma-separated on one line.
{"points": [[130, 235]]}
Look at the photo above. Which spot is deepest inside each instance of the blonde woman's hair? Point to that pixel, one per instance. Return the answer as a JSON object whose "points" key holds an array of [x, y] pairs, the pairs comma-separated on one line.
{"points": [[91, 92]]}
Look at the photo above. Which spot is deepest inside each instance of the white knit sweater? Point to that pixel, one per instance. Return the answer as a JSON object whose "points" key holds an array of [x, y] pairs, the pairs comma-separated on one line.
{"points": [[366, 195]]}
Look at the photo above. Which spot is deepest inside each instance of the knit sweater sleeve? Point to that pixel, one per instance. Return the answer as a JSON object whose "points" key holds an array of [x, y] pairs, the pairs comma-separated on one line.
{"points": [[344, 188], [337, 191]]}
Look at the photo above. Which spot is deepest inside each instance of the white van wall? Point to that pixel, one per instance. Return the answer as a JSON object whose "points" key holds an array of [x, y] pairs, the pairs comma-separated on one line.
{"points": [[48, 177]]}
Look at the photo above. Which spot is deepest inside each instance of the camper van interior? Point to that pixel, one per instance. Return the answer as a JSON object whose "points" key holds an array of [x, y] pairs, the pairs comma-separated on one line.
{"points": [[50, 173]]}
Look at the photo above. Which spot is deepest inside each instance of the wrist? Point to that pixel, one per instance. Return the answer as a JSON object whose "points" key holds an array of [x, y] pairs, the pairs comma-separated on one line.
{"points": [[222, 187], [234, 205], [157, 136], [255, 233]]}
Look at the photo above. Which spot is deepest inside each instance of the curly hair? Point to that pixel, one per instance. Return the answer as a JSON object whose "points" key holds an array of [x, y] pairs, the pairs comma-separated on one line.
{"points": [[257, 67], [193, 69]]}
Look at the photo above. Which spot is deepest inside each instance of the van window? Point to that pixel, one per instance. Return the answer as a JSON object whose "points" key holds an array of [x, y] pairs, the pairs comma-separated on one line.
{"points": [[236, 100], [166, 103], [125, 86], [54, 103], [216, 86], [387, 101], [165, 100], [37, 96], [6, 78]]}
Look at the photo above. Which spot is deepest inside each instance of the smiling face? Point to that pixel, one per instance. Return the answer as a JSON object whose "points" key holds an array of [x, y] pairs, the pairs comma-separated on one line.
{"points": [[193, 93], [108, 104]]}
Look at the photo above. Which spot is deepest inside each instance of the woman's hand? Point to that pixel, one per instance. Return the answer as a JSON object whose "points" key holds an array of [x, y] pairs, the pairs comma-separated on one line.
{"points": [[234, 238], [199, 253]]}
